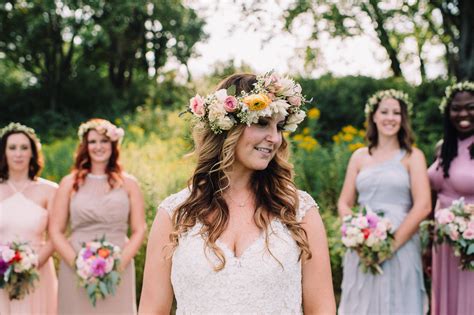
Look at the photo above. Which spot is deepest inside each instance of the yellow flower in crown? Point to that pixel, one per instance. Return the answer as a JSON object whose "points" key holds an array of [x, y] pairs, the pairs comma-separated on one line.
{"points": [[256, 102]]}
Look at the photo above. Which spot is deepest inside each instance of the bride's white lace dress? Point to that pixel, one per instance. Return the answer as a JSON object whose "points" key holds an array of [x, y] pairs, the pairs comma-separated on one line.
{"points": [[255, 282]]}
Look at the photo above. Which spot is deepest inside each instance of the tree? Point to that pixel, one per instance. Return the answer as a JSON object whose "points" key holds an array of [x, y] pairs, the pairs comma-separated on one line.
{"points": [[54, 41]]}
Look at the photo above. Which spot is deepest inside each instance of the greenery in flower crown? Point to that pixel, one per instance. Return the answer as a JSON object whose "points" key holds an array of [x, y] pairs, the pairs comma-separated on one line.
{"points": [[17, 127], [102, 126], [376, 98], [271, 95], [452, 90]]}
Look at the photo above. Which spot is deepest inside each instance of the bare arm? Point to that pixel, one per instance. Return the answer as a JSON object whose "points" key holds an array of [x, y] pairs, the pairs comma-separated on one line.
{"points": [[157, 292], [420, 190], [348, 194], [318, 294], [59, 220], [47, 249], [137, 222]]}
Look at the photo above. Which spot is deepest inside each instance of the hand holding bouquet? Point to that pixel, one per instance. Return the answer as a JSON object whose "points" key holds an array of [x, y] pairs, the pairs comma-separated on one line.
{"points": [[18, 269], [455, 226], [370, 235], [97, 268]]}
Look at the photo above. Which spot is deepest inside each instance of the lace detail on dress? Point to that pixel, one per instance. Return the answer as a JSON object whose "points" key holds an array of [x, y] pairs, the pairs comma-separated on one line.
{"points": [[171, 202], [255, 282], [306, 203]]}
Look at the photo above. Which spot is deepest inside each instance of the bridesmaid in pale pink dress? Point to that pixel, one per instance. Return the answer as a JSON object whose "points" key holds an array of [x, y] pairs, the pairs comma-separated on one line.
{"points": [[452, 177], [97, 199], [25, 200]]}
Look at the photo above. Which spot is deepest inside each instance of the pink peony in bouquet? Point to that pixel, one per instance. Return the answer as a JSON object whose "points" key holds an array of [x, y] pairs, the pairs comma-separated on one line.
{"points": [[371, 236], [97, 268], [18, 269], [455, 226]]}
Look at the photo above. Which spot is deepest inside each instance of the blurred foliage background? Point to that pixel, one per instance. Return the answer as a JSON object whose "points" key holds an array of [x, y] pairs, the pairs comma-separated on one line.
{"points": [[63, 62]]}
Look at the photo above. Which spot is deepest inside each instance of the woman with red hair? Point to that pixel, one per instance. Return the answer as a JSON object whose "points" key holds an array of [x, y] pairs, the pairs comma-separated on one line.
{"points": [[97, 200]]}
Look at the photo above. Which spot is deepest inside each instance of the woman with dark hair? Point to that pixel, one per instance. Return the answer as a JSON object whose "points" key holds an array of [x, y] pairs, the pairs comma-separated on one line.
{"points": [[241, 238], [25, 203], [389, 175], [97, 199], [452, 177]]}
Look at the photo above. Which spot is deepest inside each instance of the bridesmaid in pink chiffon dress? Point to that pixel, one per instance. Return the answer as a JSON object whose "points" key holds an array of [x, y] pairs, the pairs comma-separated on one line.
{"points": [[97, 199], [24, 214], [452, 177]]}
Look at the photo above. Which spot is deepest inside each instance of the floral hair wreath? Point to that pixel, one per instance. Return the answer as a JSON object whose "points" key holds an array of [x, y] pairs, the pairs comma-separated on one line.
{"points": [[271, 95], [453, 89], [102, 126], [384, 94], [17, 127]]}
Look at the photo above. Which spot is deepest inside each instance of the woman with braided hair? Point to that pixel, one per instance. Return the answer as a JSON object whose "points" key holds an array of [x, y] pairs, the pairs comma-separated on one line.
{"points": [[452, 177]]}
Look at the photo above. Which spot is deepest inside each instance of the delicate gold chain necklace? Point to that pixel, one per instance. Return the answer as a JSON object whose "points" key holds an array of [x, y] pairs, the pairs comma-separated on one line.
{"points": [[240, 204]]}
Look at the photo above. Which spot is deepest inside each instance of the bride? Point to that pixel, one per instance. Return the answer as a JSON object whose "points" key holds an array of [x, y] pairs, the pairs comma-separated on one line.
{"points": [[241, 238]]}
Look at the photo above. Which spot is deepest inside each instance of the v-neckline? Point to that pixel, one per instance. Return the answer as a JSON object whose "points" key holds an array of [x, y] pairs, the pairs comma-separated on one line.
{"points": [[226, 247]]}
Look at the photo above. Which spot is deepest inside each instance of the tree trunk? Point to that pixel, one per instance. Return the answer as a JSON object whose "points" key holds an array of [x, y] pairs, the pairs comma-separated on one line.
{"points": [[465, 69], [384, 38]]}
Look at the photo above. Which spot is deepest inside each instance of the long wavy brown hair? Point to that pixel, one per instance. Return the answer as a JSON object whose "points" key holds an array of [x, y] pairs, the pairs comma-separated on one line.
{"points": [[36, 162], [276, 194], [82, 163], [404, 135]]}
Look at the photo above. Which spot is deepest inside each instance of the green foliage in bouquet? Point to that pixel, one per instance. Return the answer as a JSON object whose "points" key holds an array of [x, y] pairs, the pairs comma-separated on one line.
{"points": [[97, 268]]}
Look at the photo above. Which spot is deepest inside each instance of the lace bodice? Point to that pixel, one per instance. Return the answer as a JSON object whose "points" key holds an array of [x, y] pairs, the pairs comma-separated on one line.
{"points": [[255, 282]]}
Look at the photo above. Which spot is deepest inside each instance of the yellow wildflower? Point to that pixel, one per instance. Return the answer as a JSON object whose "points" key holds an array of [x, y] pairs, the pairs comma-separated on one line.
{"points": [[306, 131], [298, 137], [348, 137], [256, 102], [336, 138], [354, 146], [314, 113], [349, 129], [362, 133]]}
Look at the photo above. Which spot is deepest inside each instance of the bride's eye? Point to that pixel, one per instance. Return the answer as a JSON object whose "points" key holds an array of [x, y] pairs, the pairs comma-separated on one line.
{"points": [[262, 122]]}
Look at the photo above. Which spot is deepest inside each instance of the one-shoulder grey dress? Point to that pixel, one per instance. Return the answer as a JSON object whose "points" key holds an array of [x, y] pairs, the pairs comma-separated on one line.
{"points": [[400, 289]]}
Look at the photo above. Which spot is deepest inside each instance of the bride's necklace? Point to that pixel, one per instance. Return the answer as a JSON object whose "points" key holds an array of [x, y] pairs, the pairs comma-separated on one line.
{"points": [[240, 204]]}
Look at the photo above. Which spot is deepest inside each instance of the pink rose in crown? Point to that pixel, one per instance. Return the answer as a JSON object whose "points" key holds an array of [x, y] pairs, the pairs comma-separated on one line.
{"points": [[294, 100], [196, 104], [230, 104]]}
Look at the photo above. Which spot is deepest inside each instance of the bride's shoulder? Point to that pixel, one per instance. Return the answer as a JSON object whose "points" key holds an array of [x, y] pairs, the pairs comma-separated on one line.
{"points": [[306, 202], [171, 202]]}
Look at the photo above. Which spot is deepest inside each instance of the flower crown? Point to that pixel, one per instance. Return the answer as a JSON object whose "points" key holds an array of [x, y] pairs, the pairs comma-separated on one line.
{"points": [[453, 89], [102, 126], [271, 95], [384, 94], [17, 127]]}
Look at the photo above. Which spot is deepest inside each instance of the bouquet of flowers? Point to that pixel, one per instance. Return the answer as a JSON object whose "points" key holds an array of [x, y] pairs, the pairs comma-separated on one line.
{"points": [[18, 269], [97, 268], [371, 236], [455, 226]]}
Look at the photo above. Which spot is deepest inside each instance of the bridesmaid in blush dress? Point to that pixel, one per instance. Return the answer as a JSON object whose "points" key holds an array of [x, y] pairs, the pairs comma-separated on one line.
{"points": [[452, 177], [25, 200], [98, 199]]}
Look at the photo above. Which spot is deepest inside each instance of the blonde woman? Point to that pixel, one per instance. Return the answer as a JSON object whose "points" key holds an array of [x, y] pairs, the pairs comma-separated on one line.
{"points": [[241, 238]]}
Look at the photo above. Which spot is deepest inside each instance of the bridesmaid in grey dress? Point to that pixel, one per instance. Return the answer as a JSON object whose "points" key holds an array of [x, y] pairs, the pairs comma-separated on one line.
{"points": [[97, 199], [389, 175]]}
